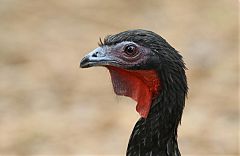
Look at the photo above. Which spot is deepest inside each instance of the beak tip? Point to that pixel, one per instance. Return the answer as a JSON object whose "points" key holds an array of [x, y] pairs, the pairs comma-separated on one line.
{"points": [[83, 62]]}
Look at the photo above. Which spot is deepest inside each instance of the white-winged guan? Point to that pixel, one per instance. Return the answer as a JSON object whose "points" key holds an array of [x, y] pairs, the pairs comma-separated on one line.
{"points": [[146, 68]]}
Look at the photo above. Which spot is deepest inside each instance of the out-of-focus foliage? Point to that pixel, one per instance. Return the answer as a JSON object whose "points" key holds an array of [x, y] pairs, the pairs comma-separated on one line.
{"points": [[50, 106]]}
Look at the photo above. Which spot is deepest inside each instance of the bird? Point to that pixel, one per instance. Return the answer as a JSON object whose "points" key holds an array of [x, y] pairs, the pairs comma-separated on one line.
{"points": [[146, 68]]}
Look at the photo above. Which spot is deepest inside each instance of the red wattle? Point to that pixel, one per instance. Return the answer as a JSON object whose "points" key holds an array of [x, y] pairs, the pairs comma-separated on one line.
{"points": [[140, 85]]}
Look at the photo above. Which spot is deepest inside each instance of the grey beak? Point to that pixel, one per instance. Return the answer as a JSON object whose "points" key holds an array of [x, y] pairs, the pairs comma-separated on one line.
{"points": [[97, 57]]}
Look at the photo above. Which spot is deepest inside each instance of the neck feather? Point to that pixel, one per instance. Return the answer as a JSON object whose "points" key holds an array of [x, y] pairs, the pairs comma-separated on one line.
{"points": [[155, 135]]}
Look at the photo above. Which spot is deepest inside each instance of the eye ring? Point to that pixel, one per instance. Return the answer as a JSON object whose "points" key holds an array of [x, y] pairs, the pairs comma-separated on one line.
{"points": [[130, 50]]}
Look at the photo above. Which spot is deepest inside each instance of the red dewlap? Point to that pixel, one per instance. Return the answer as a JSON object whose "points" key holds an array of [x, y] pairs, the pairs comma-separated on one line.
{"points": [[140, 85]]}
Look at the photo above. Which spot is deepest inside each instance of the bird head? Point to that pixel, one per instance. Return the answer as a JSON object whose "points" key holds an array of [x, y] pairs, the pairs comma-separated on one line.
{"points": [[141, 64]]}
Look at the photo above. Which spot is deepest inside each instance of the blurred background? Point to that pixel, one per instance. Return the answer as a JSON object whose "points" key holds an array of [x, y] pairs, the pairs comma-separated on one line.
{"points": [[48, 106]]}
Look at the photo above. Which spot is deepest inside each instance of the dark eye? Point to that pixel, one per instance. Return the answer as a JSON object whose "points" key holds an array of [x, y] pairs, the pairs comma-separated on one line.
{"points": [[130, 50]]}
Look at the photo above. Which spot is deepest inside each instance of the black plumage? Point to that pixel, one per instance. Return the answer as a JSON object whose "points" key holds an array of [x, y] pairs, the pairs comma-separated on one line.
{"points": [[156, 134]]}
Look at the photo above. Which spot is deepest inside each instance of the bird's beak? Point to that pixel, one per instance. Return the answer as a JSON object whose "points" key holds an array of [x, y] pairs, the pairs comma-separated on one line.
{"points": [[97, 57]]}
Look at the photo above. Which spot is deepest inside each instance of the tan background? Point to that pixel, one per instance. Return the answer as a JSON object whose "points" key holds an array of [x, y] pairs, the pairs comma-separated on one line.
{"points": [[49, 106]]}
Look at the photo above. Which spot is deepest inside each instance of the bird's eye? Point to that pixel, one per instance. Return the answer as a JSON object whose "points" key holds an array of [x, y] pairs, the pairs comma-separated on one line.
{"points": [[130, 50]]}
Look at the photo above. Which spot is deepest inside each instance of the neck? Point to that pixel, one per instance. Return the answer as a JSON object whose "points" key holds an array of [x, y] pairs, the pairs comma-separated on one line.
{"points": [[157, 134]]}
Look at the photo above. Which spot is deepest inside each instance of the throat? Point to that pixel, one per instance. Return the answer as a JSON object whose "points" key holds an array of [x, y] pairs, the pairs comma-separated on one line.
{"points": [[140, 85]]}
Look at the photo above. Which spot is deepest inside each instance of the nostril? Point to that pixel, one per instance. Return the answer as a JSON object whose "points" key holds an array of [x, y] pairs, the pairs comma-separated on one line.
{"points": [[95, 54]]}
